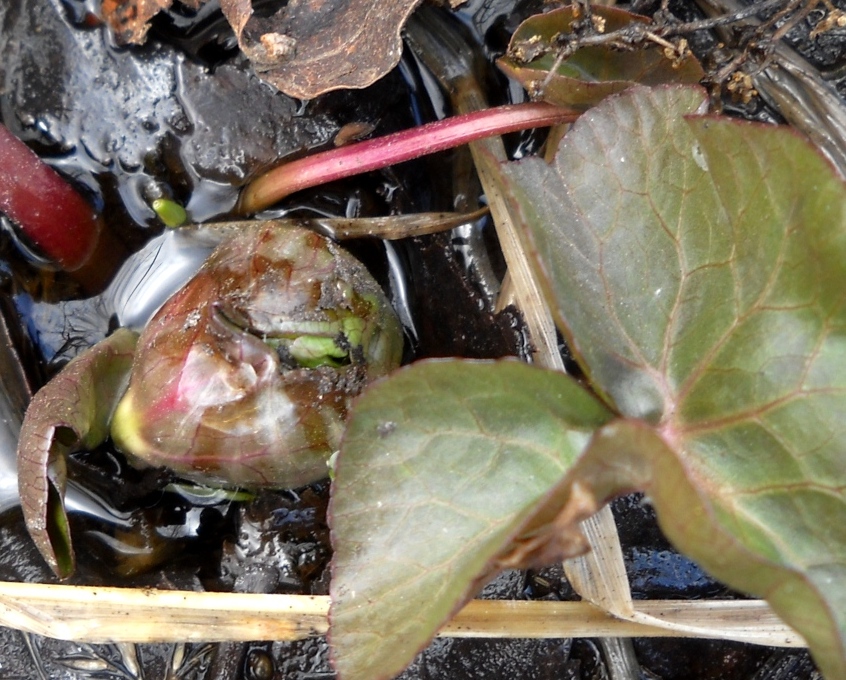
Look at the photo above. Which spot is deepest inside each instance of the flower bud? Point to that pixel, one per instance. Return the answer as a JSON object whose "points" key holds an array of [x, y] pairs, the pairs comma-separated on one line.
{"points": [[243, 377]]}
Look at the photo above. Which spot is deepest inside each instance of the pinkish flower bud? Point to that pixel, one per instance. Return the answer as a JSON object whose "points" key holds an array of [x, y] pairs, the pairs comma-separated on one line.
{"points": [[243, 378]]}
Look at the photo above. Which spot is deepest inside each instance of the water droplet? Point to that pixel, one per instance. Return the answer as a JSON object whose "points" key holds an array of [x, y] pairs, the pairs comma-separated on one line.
{"points": [[699, 157]]}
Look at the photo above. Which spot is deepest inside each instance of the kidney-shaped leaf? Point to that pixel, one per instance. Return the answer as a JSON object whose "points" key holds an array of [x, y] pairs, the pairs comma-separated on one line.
{"points": [[71, 412], [697, 264], [440, 465], [594, 72]]}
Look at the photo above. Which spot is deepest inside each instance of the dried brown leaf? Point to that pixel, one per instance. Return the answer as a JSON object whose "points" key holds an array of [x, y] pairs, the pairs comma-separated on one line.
{"points": [[309, 47], [306, 48]]}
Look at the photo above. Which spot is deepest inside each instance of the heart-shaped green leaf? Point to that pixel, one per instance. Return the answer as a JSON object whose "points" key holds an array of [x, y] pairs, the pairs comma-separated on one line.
{"points": [[69, 413], [439, 467], [697, 265], [594, 72]]}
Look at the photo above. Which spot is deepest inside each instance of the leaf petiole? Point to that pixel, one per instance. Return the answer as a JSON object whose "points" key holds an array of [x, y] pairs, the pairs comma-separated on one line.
{"points": [[396, 148]]}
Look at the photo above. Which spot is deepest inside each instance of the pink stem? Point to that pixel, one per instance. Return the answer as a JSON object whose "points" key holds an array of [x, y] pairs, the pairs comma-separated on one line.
{"points": [[396, 148]]}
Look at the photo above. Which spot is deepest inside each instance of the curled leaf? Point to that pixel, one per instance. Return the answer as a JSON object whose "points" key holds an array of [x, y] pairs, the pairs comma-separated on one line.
{"points": [[71, 412]]}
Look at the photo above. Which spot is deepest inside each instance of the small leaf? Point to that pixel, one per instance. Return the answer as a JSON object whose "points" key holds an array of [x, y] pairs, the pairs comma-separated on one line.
{"points": [[439, 465], [593, 72], [169, 212], [69, 413], [697, 266]]}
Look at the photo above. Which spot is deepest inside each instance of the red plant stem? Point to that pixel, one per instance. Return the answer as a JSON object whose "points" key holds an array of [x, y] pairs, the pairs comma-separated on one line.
{"points": [[47, 209], [396, 148]]}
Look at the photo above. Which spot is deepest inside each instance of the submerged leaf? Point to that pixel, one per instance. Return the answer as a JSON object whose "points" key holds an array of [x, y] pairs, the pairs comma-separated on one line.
{"points": [[439, 466], [71, 412], [697, 266], [593, 72]]}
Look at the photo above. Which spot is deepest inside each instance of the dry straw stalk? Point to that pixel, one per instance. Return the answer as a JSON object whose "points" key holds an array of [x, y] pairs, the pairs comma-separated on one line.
{"points": [[99, 615]]}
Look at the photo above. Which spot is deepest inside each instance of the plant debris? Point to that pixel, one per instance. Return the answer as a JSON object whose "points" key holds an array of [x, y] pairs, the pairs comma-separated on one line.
{"points": [[305, 48]]}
